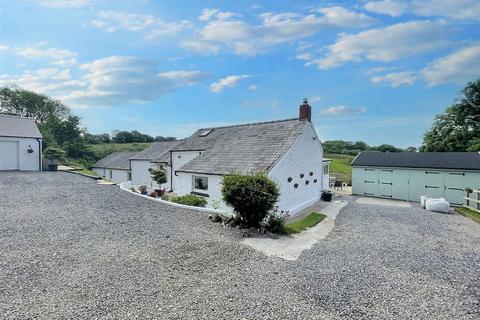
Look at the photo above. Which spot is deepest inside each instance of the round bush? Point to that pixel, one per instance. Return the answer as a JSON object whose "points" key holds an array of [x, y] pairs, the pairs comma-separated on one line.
{"points": [[190, 200], [251, 196]]}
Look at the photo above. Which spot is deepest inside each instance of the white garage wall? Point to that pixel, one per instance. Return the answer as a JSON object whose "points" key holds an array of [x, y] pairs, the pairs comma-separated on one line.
{"points": [[117, 174], [305, 156], [27, 161]]}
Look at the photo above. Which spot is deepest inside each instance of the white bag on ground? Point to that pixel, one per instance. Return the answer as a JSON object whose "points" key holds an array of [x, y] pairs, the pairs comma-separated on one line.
{"points": [[423, 199], [437, 205]]}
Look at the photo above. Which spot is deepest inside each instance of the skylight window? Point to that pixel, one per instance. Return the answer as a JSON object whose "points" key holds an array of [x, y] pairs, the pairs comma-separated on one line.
{"points": [[205, 132]]}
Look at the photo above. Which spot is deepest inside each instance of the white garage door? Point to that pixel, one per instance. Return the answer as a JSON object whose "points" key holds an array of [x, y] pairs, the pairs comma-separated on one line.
{"points": [[8, 155]]}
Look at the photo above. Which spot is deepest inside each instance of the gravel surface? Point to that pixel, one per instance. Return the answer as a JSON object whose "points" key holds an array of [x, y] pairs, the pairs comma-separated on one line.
{"points": [[71, 249]]}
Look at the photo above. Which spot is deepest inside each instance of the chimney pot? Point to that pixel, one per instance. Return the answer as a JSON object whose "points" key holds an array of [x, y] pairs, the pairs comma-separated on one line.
{"points": [[305, 112]]}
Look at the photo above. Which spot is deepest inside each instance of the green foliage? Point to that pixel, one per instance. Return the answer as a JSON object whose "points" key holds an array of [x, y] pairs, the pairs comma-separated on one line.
{"points": [[159, 175], [309, 221], [54, 154], [340, 166], [354, 148], [458, 128], [190, 200], [131, 136], [275, 222], [104, 149], [251, 196], [474, 215]]}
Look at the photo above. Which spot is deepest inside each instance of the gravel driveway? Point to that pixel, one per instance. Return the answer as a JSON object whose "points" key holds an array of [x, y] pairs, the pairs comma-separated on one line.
{"points": [[70, 248]]}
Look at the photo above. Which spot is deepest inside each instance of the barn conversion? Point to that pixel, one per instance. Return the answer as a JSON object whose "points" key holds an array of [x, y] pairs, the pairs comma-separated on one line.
{"points": [[409, 175], [20, 144], [115, 166]]}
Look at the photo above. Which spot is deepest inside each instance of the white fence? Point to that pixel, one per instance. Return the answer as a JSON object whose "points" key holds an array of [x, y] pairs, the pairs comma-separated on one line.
{"points": [[472, 200]]}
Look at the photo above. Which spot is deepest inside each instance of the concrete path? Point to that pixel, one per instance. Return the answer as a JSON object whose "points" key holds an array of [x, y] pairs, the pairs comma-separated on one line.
{"points": [[291, 247]]}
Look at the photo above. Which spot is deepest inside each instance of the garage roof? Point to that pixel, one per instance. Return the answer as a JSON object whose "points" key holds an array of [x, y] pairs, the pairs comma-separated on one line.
{"points": [[21, 127], [116, 160], [433, 160]]}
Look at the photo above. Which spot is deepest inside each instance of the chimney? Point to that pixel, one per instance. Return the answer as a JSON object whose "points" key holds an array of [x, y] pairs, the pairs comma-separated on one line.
{"points": [[305, 112]]}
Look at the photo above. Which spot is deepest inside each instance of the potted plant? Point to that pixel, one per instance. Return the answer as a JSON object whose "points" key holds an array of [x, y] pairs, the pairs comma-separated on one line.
{"points": [[159, 176], [53, 154]]}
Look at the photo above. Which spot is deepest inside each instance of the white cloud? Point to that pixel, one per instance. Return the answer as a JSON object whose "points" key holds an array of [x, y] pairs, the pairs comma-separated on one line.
{"points": [[393, 8], [200, 46], [315, 99], [341, 111], [118, 80], [229, 82], [227, 30], [339, 16], [395, 79], [48, 80], [252, 87], [458, 67], [59, 57], [208, 14], [4, 47], [153, 27], [454, 9], [65, 3], [384, 44]]}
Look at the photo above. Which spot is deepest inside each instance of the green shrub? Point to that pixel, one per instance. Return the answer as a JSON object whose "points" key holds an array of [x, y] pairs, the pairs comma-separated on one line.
{"points": [[158, 175], [190, 200], [251, 196], [54, 154]]}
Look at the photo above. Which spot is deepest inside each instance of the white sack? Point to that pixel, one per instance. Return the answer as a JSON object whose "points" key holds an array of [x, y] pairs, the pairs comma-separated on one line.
{"points": [[437, 205], [423, 199]]}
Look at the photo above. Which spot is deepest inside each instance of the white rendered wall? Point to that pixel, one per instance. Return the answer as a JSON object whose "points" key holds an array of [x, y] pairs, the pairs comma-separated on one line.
{"points": [[141, 176], [117, 174], [184, 185], [100, 171], [180, 158], [27, 161], [305, 156]]}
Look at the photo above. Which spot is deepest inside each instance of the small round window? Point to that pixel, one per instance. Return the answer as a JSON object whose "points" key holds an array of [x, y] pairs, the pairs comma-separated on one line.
{"points": [[295, 185], [307, 182], [290, 179], [314, 180], [302, 175], [311, 174]]}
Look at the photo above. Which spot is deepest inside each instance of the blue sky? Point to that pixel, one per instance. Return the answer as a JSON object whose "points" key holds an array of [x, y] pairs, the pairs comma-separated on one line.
{"points": [[376, 71]]}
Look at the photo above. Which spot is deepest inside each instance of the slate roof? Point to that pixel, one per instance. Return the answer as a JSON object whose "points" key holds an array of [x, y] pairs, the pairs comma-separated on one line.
{"points": [[158, 151], [13, 126], [242, 148], [433, 160], [116, 160]]}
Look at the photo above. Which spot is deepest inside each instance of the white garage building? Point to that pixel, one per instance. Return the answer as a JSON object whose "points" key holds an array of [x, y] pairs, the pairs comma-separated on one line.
{"points": [[20, 144], [409, 175], [115, 167]]}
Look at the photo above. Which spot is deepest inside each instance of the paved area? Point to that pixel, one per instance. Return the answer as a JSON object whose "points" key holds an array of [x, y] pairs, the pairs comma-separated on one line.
{"points": [[384, 202], [72, 249], [291, 247]]}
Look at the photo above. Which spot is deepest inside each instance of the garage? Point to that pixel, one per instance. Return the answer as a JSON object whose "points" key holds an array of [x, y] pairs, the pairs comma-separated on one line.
{"points": [[20, 144], [409, 175]]}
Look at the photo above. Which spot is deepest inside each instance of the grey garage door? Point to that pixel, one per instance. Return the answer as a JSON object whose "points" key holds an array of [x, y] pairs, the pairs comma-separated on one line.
{"points": [[8, 155]]}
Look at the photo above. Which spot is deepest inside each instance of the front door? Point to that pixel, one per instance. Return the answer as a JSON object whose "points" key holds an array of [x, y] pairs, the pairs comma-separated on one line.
{"points": [[385, 183], [454, 185]]}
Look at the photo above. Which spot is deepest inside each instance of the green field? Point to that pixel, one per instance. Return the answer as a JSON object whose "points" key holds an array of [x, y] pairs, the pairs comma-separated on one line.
{"points": [[340, 166], [103, 150]]}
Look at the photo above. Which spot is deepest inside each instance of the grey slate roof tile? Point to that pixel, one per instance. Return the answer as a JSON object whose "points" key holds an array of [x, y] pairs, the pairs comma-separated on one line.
{"points": [[157, 151], [243, 148], [116, 160], [434, 160], [13, 126]]}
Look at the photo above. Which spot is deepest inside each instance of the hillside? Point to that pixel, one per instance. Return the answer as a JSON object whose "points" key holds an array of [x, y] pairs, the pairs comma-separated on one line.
{"points": [[340, 166]]}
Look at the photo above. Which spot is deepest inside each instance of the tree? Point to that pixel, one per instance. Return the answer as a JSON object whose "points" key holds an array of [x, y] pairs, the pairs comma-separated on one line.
{"points": [[411, 149], [159, 175], [20, 102], [386, 148], [54, 154], [458, 128]]}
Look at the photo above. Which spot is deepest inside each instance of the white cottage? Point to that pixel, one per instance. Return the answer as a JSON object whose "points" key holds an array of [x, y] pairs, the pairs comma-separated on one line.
{"points": [[115, 167], [142, 161], [288, 151], [20, 144]]}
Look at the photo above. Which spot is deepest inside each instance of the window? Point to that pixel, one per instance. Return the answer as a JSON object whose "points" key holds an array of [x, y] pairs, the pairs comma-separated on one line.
{"points": [[205, 133], [325, 168], [289, 179], [129, 176], [200, 183], [301, 175]]}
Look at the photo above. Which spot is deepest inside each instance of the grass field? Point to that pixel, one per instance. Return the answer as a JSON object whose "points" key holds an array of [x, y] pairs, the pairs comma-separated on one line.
{"points": [[340, 166], [474, 215], [103, 150], [309, 221]]}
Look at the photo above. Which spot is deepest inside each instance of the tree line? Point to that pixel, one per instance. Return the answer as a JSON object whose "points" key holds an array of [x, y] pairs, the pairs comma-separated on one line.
{"points": [[62, 129], [354, 148]]}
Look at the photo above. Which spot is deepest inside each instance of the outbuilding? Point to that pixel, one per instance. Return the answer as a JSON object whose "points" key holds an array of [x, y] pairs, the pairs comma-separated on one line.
{"points": [[115, 167], [20, 144], [409, 175]]}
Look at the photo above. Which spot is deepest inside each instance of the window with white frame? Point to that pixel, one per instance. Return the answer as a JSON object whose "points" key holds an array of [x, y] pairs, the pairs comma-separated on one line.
{"points": [[200, 183]]}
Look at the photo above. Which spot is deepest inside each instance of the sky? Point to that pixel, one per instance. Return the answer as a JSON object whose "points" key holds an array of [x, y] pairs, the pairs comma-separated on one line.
{"points": [[376, 71]]}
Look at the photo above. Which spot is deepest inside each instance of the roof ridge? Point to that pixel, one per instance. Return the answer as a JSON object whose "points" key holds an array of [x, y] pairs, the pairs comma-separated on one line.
{"points": [[15, 116], [249, 124]]}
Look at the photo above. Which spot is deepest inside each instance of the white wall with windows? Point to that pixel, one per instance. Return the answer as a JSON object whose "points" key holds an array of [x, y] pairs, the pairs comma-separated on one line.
{"points": [[116, 175]]}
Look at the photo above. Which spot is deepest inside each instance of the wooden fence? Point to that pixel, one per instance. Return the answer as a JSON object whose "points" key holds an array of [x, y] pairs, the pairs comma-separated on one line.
{"points": [[472, 200]]}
